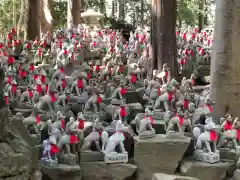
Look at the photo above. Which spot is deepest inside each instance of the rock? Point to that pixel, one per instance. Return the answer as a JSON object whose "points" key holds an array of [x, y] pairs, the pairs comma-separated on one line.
{"points": [[102, 171], [158, 154], [61, 172], [162, 176], [227, 154], [236, 175], [91, 156], [203, 170], [17, 155], [17, 177]]}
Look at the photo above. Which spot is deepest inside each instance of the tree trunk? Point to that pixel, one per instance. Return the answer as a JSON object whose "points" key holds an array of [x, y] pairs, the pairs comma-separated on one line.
{"points": [[225, 72], [113, 8], [33, 24], [121, 10], [46, 16], [200, 15], [14, 13], [102, 9], [21, 18], [74, 13], [142, 13], [164, 35]]}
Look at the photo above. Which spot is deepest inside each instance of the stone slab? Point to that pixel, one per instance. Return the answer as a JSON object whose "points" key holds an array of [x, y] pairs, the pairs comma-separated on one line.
{"points": [[158, 154], [61, 172], [102, 171], [67, 159], [236, 175], [162, 176], [90, 116], [204, 171], [228, 154], [91, 156]]}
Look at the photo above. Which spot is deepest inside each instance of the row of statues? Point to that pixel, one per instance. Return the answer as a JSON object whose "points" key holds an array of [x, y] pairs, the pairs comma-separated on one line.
{"points": [[98, 100]]}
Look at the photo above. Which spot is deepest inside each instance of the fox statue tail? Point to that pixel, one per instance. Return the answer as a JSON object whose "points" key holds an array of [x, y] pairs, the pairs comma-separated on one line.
{"points": [[196, 134], [104, 138]]}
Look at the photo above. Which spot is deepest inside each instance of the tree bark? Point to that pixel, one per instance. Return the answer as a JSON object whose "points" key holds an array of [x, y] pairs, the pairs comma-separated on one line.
{"points": [[121, 10], [21, 18], [200, 15], [142, 12], [33, 24], [102, 9], [14, 13], [225, 72], [74, 13], [164, 35], [46, 16], [113, 8]]}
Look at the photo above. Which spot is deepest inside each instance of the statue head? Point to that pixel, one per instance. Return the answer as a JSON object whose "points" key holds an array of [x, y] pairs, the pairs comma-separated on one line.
{"points": [[38, 81], [119, 126], [148, 112], [60, 116], [19, 116], [210, 125], [67, 92], [180, 112], [229, 117], [236, 123], [165, 67], [208, 101], [155, 72], [52, 140], [80, 116], [71, 119]]}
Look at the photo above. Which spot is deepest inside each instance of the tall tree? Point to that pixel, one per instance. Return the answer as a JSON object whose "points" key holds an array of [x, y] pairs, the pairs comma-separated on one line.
{"points": [[164, 34], [200, 15], [46, 16], [74, 12], [225, 72], [142, 12], [33, 23], [121, 10]]}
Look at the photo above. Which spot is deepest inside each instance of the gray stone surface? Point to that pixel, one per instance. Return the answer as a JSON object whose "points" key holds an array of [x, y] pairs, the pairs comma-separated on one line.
{"points": [[61, 172], [17, 155], [91, 156], [158, 154], [204, 171], [226, 155], [102, 171], [236, 175], [162, 176]]}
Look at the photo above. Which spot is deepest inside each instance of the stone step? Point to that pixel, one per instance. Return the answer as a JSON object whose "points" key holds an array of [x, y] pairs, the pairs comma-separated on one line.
{"points": [[162, 176], [158, 154]]}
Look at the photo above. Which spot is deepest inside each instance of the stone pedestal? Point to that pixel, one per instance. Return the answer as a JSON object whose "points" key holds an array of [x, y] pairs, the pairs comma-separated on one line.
{"points": [[61, 172], [236, 175], [90, 116], [91, 156], [204, 171], [158, 154], [102, 171], [67, 159], [162, 176], [228, 154]]}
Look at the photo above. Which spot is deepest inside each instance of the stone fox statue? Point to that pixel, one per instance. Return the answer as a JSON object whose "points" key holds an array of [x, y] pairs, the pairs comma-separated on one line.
{"points": [[206, 138], [231, 132], [109, 144]]}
